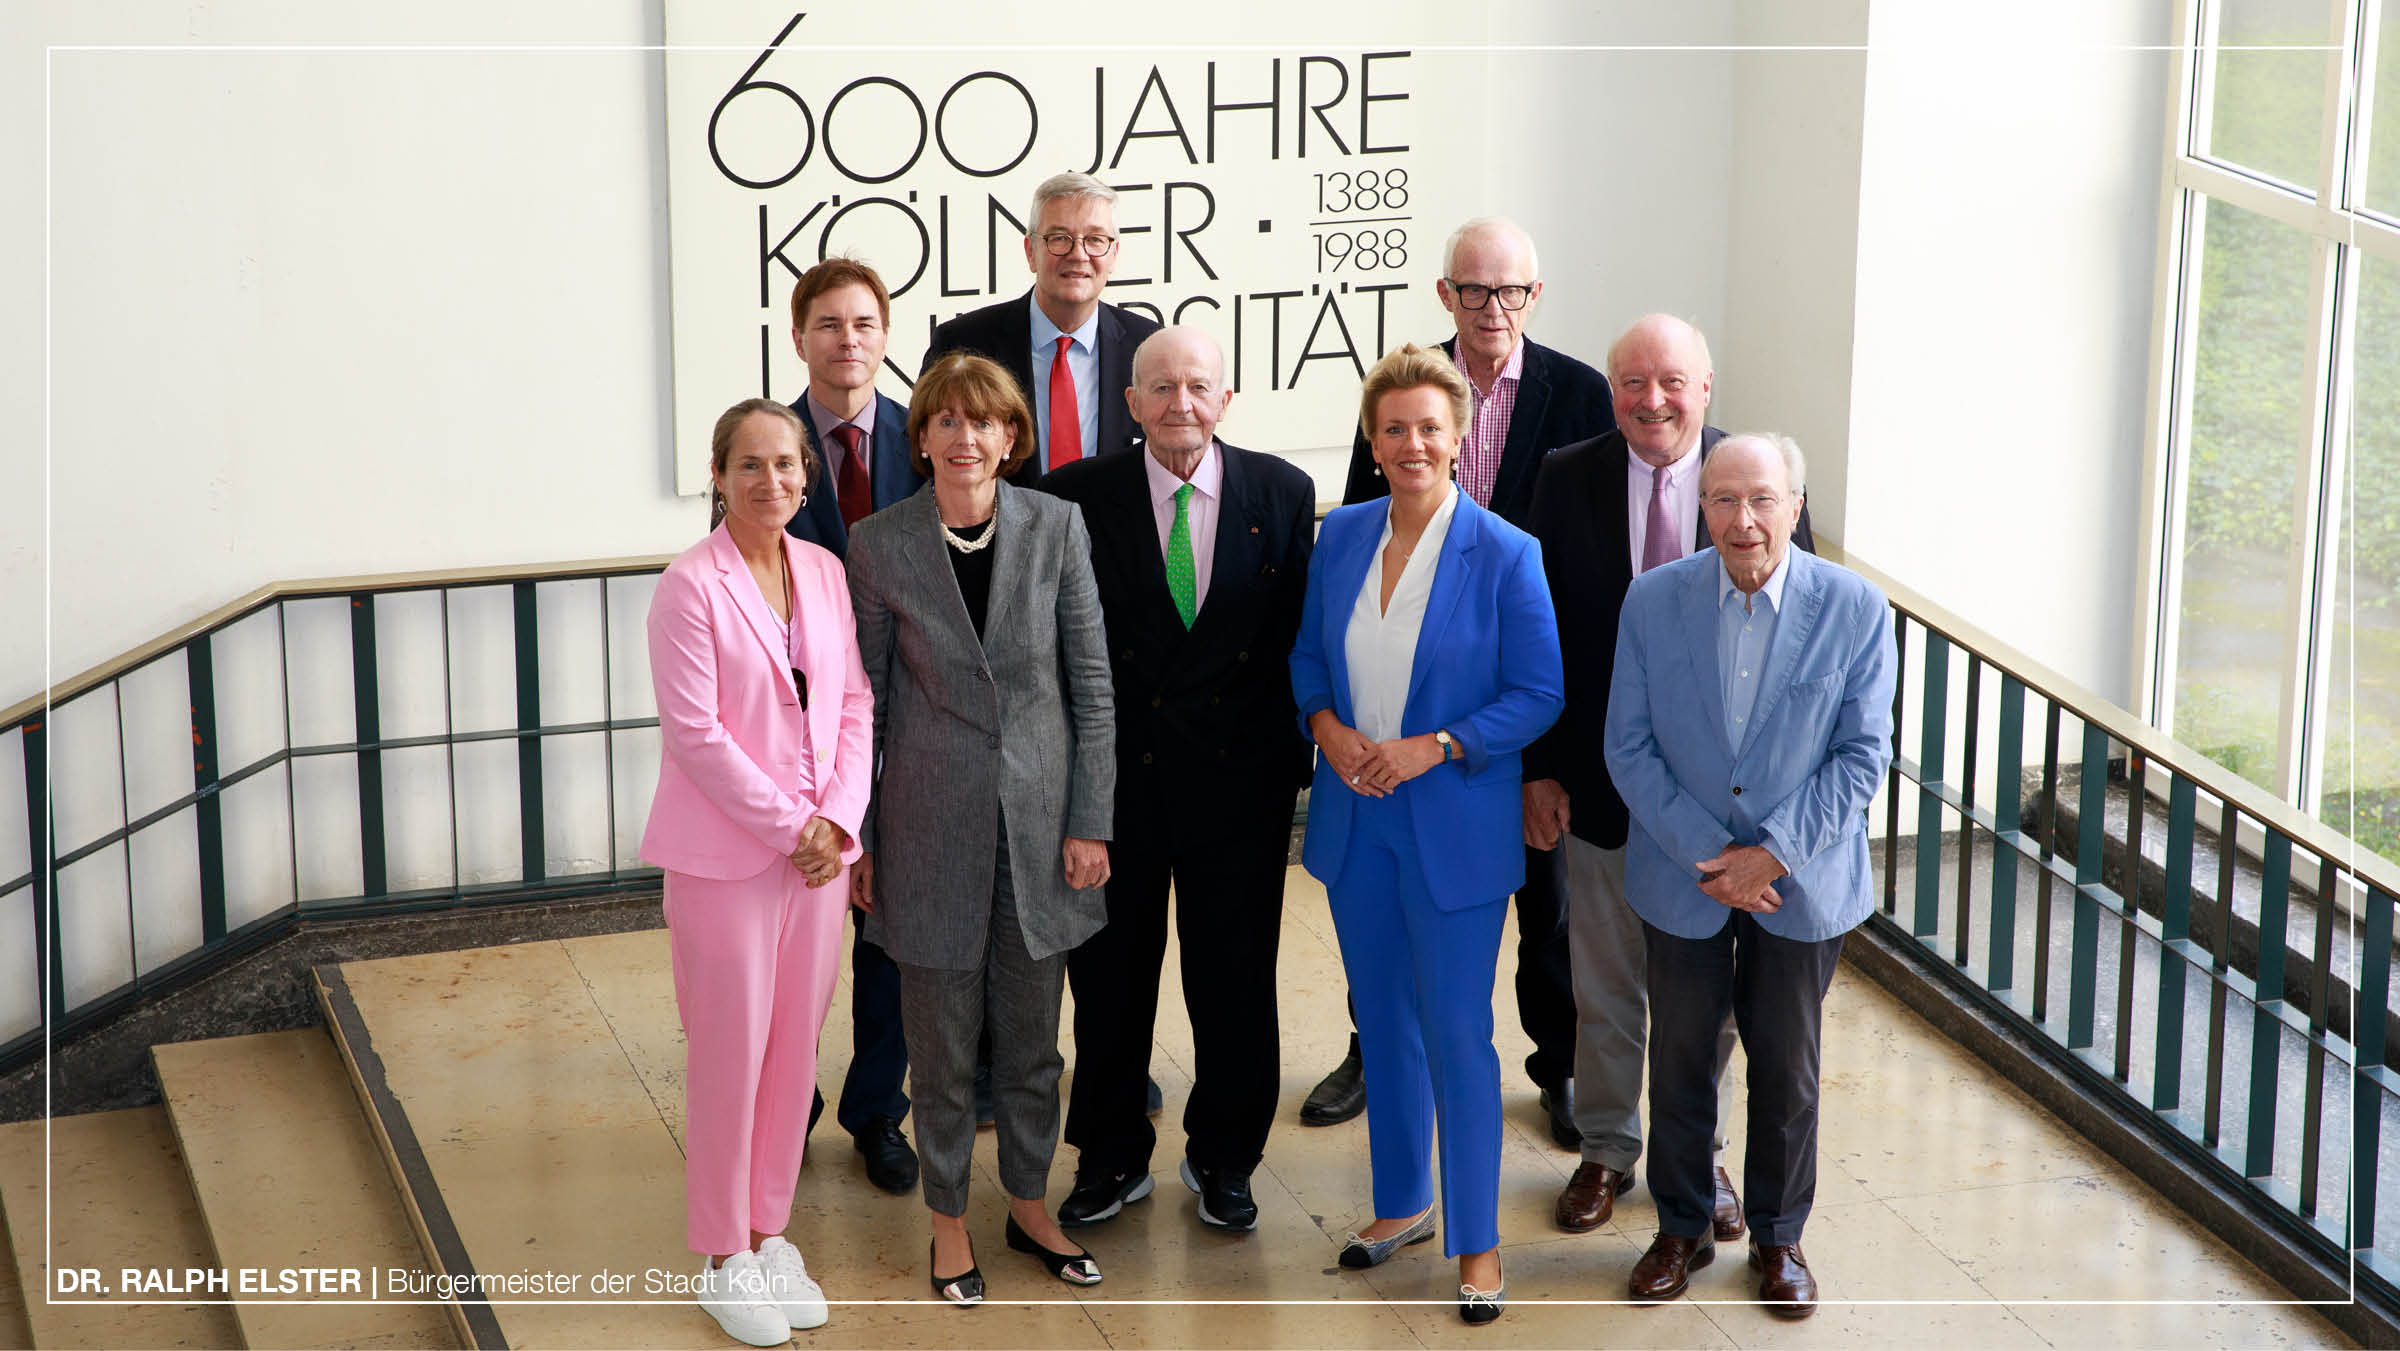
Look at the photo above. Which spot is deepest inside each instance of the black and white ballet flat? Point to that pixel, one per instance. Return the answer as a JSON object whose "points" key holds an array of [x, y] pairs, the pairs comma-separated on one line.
{"points": [[1075, 1268], [964, 1289], [1361, 1253], [1477, 1307]]}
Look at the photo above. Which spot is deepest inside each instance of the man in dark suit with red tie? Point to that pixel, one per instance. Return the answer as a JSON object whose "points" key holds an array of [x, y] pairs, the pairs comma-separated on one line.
{"points": [[1528, 401], [1607, 510], [1201, 553], [841, 323], [1071, 353]]}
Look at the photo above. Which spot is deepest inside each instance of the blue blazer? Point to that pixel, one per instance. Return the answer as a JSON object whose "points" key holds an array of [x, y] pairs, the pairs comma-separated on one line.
{"points": [[1486, 668], [889, 475], [1816, 748]]}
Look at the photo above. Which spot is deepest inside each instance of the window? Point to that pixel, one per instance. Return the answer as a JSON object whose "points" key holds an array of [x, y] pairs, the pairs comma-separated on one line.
{"points": [[2275, 642]]}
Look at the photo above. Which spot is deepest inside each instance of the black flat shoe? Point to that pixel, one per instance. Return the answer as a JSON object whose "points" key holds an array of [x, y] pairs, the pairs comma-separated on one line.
{"points": [[1075, 1268], [1341, 1095], [964, 1290]]}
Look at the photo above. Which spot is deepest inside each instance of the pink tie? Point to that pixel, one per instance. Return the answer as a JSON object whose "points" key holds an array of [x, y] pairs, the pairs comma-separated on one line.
{"points": [[1658, 537]]}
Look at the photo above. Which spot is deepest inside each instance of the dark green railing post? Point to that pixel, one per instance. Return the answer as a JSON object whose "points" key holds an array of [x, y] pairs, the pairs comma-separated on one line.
{"points": [[2312, 1093], [368, 712], [529, 725], [2008, 819], [2091, 816], [207, 813], [41, 839], [2046, 875], [2366, 1108], [2174, 934], [1970, 733], [2266, 1039], [2137, 810], [1933, 695]]}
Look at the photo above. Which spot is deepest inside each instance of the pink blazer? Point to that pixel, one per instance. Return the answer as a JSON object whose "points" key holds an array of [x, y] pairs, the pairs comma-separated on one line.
{"points": [[730, 801]]}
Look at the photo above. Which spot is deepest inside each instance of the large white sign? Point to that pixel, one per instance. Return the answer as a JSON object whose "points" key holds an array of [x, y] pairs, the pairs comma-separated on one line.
{"points": [[1279, 199]]}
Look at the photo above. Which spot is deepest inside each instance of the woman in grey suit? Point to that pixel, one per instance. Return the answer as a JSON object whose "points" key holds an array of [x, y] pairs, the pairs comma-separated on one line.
{"points": [[980, 627]]}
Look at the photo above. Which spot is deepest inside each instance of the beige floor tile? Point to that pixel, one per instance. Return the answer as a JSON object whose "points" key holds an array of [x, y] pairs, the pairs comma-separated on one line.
{"points": [[1356, 1322], [632, 983], [119, 1200], [1053, 1327], [288, 1174], [14, 1330], [1562, 1293], [2170, 1326], [495, 1037]]}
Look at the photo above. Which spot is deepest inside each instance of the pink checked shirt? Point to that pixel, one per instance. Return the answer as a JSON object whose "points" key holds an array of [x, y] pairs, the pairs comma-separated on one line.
{"points": [[1487, 427]]}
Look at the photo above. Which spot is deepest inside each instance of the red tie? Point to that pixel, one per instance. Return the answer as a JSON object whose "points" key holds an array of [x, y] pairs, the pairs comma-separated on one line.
{"points": [[857, 498], [1066, 421]]}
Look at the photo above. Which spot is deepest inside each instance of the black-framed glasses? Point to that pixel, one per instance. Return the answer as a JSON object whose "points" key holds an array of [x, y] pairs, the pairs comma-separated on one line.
{"points": [[1475, 295], [1060, 244]]}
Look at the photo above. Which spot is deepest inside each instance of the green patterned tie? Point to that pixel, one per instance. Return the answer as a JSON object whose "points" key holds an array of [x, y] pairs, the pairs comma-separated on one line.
{"points": [[1182, 583]]}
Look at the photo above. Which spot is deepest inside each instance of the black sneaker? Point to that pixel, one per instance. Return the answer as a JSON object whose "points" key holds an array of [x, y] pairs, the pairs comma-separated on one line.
{"points": [[1100, 1195], [891, 1164], [1224, 1196]]}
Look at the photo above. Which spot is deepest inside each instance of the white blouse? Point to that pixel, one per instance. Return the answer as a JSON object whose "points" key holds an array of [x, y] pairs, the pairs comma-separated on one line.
{"points": [[1381, 644]]}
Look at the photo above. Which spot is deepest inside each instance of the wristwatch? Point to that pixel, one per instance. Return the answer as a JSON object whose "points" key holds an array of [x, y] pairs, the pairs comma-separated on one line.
{"points": [[1448, 743]]}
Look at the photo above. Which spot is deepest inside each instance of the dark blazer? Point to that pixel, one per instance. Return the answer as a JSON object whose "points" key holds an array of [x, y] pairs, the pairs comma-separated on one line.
{"points": [[1587, 550], [1485, 669], [1209, 709], [890, 476], [1559, 401], [1004, 332], [1023, 715]]}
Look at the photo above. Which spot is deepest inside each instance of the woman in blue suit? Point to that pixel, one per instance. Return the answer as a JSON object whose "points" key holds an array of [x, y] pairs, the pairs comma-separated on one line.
{"points": [[1427, 658]]}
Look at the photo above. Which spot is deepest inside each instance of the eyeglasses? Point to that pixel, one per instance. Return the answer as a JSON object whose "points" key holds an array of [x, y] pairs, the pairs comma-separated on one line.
{"points": [[1475, 296], [1060, 244], [1724, 504]]}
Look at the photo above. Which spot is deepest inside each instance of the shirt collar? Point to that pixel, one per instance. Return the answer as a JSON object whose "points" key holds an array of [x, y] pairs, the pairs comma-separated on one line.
{"points": [[1207, 480], [1678, 473], [1510, 370], [1047, 334], [825, 419], [1772, 589]]}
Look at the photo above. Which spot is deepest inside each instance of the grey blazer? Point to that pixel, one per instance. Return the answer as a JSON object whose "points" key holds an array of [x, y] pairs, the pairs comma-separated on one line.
{"points": [[1026, 716]]}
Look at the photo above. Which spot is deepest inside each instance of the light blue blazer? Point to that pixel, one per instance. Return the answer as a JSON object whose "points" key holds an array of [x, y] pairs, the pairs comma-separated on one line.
{"points": [[1815, 750], [1486, 668]]}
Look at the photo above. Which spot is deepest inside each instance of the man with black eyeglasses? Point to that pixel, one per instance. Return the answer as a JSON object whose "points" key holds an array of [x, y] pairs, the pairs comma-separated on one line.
{"points": [[1071, 353], [1527, 401]]}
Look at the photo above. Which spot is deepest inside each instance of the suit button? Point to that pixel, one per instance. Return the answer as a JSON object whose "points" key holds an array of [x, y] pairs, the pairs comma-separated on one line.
{"points": [[1213, 701], [1737, 790], [1154, 701], [995, 743], [1145, 757], [1241, 656], [1125, 653]]}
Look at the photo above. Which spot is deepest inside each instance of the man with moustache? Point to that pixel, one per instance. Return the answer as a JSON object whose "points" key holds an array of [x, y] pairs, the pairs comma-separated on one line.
{"points": [[1528, 400], [1069, 352], [1749, 725], [1607, 510], [841, 323], [1201, 551]]}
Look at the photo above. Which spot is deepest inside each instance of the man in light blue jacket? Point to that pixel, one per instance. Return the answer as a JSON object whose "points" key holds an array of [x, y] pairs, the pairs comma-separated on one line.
{"points": [[1749, 726]]}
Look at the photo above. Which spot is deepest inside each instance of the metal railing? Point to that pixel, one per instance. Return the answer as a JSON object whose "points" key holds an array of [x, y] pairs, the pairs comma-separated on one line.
{"points": [[350, 746], [2210, 961]]}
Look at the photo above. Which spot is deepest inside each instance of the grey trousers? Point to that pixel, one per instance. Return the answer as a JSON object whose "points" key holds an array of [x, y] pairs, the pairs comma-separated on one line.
{"points": [[942, 1015], [1609, 962]]}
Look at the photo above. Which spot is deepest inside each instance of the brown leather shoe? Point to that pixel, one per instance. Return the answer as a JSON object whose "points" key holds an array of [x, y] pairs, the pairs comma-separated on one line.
{"points": [[1728, 1217], [1784, 1283], [1667, 1268], [1590, 1197]]}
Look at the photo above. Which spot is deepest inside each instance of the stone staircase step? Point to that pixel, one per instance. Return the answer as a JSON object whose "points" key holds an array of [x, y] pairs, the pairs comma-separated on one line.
{"points": [[117, 1196], [289, 1177]]}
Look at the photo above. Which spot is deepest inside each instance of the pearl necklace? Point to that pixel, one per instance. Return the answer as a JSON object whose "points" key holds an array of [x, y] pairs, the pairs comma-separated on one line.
{"points": [[962, 543]]}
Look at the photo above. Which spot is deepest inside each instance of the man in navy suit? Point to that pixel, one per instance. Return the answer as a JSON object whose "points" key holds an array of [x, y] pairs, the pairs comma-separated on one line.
{"points": [[1528, 401], [1201, 552], [1749, 725], [841, 322], [1607, 510], [1072, 355]]}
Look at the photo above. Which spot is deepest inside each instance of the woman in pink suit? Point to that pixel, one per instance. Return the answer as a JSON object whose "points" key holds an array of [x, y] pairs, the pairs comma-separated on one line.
{"points": [[767, 724]]}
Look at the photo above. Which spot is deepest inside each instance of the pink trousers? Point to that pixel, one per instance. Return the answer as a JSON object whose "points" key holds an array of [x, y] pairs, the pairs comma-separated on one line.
{"points": [[754, 971]]}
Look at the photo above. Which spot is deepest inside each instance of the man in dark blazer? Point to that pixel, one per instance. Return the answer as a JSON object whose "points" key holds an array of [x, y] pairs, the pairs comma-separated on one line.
{"points": [[1075, 395], [1201, 554], [841, 322], [1597, 509], [1529, 400]]}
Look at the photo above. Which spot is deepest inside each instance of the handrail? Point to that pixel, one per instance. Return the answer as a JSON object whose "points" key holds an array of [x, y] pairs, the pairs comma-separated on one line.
{"points": [[125, 661], [2122, 726]]}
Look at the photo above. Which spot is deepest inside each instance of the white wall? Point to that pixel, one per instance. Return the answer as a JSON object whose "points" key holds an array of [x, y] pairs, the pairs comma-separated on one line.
{"points": [[2007, 248]]}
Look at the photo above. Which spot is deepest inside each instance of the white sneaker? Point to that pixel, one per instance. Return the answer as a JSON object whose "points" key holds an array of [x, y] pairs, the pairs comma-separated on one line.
{"points": [[801, 1299], [737, 1296]]}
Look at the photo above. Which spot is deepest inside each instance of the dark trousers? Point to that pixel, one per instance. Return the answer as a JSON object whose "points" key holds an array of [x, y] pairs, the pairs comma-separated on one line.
{"points": [[1775, 989], [878, 1050], [1225, 862], [1545, 977]]}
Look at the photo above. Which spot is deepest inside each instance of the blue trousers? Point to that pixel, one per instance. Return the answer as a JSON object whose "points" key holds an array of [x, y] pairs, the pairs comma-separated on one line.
{"points": [[1421, 982]]}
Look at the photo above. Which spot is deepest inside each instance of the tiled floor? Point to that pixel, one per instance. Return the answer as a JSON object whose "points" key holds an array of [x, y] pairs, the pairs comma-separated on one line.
{"points": [[545, 1084]]}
